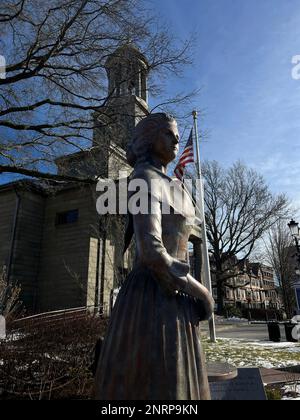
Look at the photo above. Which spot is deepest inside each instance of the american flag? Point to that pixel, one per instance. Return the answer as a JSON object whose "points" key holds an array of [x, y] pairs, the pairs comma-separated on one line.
{"points": [[186, 157]]}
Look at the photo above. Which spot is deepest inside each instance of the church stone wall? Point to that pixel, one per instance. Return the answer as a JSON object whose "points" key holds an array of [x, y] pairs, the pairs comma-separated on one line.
{"points": [[93, 271], [27, 248], [7, 211], [66, 251], [21, 235], [109, 275]]}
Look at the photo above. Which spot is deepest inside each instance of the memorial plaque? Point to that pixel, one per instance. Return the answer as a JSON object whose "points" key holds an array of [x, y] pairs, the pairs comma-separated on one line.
{"points": [[248, 386]]}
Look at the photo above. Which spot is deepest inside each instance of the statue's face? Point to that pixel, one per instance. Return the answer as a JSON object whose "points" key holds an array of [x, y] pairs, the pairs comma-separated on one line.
{"points": [[166, 145]]}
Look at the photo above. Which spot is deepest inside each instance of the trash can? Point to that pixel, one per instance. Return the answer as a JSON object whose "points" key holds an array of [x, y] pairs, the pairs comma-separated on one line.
{"points": [[289, 327], [274, 332]]}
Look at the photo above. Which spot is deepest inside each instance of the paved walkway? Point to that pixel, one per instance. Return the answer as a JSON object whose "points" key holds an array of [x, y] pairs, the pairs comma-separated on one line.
{"points": [[272, 377], [243, 331]]}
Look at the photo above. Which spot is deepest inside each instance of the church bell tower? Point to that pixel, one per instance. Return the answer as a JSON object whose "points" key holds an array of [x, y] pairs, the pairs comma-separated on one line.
{"points": [[127, 71]]}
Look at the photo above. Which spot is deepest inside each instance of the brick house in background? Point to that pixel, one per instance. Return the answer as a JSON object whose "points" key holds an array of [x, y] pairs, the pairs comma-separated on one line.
{"points": [[253, 287]]}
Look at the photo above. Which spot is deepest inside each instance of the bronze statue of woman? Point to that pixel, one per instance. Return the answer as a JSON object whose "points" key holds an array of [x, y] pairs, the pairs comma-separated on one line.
{"points": [[152, 349]]}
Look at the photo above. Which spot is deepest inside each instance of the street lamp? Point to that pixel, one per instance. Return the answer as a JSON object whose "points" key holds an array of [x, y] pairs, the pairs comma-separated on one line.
{"points": [[294, 228], [295, 231]]}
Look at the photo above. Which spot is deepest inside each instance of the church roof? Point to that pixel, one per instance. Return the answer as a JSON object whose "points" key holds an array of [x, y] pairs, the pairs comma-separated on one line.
{"points": [[25, 184], [41, 187], [127, 51]]}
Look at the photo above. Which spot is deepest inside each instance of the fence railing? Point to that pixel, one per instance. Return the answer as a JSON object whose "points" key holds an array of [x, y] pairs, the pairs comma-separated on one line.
{"points": [[58, 316]]}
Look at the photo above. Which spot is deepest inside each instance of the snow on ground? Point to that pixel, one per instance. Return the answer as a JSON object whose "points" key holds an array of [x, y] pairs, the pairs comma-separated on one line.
{"points": [[233, 320], [291, 392], [236, 320], [266, 344], [16, 336], [241, 353]]}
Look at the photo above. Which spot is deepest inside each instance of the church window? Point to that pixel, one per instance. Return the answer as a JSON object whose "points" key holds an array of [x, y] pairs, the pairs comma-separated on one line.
{"points": [[67, 217]]}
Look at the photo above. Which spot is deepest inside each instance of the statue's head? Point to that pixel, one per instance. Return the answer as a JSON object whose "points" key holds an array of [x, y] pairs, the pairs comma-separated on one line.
{"points": [[156, 136]]}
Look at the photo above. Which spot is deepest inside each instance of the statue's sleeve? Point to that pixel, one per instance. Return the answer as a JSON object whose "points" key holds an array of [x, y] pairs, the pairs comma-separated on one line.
{"points": [[172, 275], [170, 272]]}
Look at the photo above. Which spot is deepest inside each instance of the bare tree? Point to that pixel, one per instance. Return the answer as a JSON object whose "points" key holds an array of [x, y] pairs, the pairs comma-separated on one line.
{"points": [[55, 77], [280, 253], [9, 297], [240, 209]]}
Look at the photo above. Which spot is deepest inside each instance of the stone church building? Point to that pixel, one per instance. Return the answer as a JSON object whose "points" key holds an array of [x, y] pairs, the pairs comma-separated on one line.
{"points": [[52, 240]]}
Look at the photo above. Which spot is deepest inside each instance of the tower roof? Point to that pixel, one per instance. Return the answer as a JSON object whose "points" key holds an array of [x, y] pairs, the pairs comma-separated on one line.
{"points": [[127, 52]]}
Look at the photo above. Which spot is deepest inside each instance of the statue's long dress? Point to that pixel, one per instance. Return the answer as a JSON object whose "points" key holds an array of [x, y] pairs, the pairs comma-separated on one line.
{"points": [[152, 350]]}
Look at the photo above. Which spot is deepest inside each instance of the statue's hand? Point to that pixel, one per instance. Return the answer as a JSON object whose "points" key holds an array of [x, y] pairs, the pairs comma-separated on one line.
{"points": [[168, 285], [205, 300], [206, 308], [174, 278]]}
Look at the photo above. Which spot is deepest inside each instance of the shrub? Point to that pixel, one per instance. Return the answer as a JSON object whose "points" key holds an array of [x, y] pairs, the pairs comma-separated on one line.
{"points": [[263, 314], [50, 359], [10, 306], [232, 312], [274, 394]]}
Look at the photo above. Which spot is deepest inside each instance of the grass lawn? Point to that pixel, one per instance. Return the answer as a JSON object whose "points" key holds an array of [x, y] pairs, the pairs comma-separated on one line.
{"points": [[252, 354]]}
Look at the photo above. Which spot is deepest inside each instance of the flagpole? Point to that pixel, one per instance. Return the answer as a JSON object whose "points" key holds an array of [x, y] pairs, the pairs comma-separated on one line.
{"points": [[205, 254]]}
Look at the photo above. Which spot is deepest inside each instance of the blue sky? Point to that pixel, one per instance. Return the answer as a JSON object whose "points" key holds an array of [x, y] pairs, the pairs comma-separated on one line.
{"points": [[243, 63]]}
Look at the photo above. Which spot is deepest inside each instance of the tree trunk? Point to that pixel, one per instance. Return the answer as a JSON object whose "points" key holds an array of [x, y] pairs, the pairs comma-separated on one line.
{"points": [[220, 294], [286, 300]]}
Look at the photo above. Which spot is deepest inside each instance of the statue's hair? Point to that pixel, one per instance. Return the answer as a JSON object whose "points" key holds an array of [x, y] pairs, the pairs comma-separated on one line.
{"points": [[144, 135]]}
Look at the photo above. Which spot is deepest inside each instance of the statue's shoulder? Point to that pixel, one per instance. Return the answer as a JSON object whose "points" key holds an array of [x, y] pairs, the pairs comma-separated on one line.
{"points": [[148, 177], [148, 173]]}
